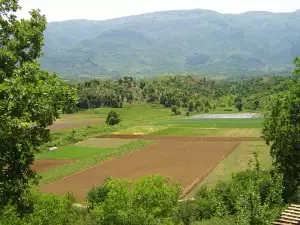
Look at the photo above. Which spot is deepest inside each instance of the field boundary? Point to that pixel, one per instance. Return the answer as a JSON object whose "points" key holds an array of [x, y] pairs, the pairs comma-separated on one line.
{"points": [[196, 182], [180, 138]]}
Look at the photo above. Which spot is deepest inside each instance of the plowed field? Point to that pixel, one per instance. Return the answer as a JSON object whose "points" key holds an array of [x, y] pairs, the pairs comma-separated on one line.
{"points": [[181, 159], [46, 164]]}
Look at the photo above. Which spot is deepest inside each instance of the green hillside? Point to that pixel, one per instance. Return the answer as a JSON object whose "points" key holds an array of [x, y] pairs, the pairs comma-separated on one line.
{"points": [[192, 41]]}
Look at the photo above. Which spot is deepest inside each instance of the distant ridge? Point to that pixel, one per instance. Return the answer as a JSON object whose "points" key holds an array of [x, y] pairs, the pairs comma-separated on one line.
{"points": [[183, 41]]}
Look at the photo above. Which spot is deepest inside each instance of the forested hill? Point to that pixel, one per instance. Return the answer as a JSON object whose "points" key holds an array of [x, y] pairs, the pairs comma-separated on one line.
{"points": [[192, 41]]}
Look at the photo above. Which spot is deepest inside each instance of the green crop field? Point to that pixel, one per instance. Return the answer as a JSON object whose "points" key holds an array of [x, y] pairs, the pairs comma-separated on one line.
{"points": [[237, 161], [222, 132], [217, 123], [71, 152]]}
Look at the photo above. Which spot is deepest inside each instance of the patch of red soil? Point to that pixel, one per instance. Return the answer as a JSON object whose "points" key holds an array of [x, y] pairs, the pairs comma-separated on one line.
{"points": [[42, 165], [183, 160]]}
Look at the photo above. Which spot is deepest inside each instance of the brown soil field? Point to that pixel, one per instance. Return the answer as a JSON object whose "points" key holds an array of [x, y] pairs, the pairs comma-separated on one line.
{"points": [[181, 138], [46, 164], [68, 125], [104, 142], [184, 161]]}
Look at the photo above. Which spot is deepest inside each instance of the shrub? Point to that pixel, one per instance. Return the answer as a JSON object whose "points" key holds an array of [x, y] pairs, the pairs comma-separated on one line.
{"points": [[206, 110], [113, 118], [188, 114], [252, 197], [191, 106], [176, 110], [149, 201]]}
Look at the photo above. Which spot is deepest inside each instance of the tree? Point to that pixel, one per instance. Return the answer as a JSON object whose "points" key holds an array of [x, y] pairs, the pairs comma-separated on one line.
{"points": [[113, 118], [282, 131], [256, 104], [30, 101], [148, 201], [239, 105], [191, 106]]}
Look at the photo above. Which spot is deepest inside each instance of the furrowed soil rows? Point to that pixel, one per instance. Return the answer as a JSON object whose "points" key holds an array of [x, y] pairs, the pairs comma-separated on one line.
{"points": [[184, 161], [46, 164]]}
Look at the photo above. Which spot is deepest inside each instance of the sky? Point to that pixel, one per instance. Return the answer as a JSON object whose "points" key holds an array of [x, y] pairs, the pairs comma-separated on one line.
{"points": [[58, 10]]}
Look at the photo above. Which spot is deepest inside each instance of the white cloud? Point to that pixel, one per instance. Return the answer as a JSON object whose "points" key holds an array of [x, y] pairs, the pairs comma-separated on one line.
{"points": [[56, 10]]}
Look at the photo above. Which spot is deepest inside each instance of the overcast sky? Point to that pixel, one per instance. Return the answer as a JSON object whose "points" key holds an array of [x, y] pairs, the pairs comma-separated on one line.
{"points": [[57, 10]]}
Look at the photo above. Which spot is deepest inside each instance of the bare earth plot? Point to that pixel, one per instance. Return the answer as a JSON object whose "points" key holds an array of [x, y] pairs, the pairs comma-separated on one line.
{"points": [[68, 125], [104, 142], [46, 164], [183, 160]]}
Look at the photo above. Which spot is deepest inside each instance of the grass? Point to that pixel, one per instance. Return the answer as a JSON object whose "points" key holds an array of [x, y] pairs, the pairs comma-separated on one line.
{"points": [[71, 152], [67, 169], [132, 115], [222, 132], [141, 129], [217, 123], [237, 161], [104, 142]]}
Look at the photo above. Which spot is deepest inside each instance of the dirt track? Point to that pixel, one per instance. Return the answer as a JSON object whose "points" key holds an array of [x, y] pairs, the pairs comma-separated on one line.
{"points": [[181, 138], [46, 164], [183, 159]]}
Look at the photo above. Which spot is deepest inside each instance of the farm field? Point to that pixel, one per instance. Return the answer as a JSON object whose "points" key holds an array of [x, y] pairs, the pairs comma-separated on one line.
{"points": [[237, 161], [42, 165], [103, 142], [187, 162], [186, 149], [69, 124]]}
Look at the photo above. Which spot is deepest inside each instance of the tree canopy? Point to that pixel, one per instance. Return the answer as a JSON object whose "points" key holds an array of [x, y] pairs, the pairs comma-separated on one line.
{"points": [[282, 131], [31, 100]]}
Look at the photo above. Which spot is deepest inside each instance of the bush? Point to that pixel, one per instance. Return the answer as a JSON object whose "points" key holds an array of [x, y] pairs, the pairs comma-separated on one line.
{"points": [[252, 197], [149, 201], [228, 110], [191, 106], [113, 118], [206, 110], [176, 110], [188, 114], [47, 209]]}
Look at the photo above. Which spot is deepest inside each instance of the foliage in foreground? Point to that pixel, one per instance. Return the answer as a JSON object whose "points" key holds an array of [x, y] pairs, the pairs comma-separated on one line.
{"points": [[252, 197], [282, 129], [31, 100], [150, 200]]}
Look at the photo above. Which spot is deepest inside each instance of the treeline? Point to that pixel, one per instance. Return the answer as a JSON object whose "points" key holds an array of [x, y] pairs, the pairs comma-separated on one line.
{"points": [[186, 92]]}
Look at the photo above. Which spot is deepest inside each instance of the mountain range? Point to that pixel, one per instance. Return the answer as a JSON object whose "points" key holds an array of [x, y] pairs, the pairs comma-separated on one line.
{"points": [[174, 42]]}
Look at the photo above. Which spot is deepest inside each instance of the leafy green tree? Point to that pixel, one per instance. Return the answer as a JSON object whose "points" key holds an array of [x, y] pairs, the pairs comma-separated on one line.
{"points": [[150, 200], [113, 118], [252, 197], [282, 131], [256, 104], [191, 106], [176, 110], [30, 100], [239, 105]]}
